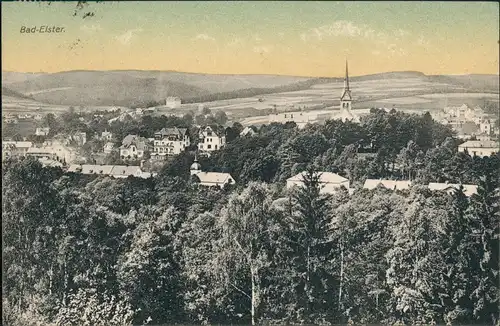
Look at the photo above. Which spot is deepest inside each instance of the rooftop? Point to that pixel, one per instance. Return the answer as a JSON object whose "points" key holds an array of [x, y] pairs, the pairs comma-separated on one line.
{"points": [[215, 178], [172, 132], [469, 190], [389, 184], [479, 144], [324, 177]]}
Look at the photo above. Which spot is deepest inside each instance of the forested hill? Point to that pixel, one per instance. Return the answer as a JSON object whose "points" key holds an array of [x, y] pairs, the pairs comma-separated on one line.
{"points": [[90, 250]]}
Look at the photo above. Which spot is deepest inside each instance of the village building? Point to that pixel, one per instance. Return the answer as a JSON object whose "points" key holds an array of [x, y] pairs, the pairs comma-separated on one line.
{"points": [[115, 171], [248, 131], [389, 184], [211, 138], [170, 141], [42, 131], [329, 182], [15, 148], [485, 126], [210, 179], [54, 150], [133, 147], [80, 138], [108, 147], [479, 148], [468, 190], [173, 102], [106, 135]]}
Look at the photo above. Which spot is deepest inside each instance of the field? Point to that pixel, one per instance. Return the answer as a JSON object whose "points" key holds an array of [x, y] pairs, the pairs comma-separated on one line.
{"points": [[401, 90]]}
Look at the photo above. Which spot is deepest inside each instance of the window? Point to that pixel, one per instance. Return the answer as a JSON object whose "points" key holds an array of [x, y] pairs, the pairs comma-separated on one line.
{"points": [[215, 146], [209, 146]]}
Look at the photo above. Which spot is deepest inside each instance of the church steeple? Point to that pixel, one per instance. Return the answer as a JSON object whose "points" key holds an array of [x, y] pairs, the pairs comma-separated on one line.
{"points": [[346, 79], [346, 98]]}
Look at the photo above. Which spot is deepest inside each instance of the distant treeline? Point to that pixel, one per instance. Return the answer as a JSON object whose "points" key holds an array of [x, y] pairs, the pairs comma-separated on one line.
{"points": [[241, 93]]}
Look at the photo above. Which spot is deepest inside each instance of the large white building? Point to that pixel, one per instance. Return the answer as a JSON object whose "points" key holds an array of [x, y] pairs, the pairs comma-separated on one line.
{"points": [[133, 147], [173, 102], [210, 179], [211, 138], [329, 182], [479, 148], [170, 141], [115, 171]]}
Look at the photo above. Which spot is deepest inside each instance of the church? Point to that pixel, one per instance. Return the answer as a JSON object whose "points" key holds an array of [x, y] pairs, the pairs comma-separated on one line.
{"points": [[345, 102], [344, 113]]}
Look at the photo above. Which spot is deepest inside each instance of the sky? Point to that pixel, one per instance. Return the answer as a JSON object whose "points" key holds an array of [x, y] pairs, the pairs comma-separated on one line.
{"points": [[299, 38]]}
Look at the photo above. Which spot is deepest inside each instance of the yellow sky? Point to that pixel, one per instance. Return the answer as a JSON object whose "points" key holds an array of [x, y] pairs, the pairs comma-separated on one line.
{"points": [[286, 38]]}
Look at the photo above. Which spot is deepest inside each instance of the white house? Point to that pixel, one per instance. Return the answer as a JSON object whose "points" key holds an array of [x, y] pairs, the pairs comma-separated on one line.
{"points": [[173, 102], [210, 179], [42, 131], [479, 148], [468, 190], [389, 184], [329, 182], [108, 147], [485, 126], [133, 147], [211, 139], [170, 141]]}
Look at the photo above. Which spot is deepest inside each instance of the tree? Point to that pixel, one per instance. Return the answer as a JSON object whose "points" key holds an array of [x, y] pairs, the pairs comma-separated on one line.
{"points": [[310, 244], [220, 117], [152, 259], [242, 253]]}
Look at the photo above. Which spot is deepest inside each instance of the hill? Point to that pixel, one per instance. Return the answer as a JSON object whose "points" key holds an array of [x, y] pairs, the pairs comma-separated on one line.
{"points": [[136, 88]]}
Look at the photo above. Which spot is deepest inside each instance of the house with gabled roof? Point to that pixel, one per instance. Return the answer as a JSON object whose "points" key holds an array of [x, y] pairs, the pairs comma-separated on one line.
{"points": [[170, 141], [133, 147], [210, 179], [211, 138]]}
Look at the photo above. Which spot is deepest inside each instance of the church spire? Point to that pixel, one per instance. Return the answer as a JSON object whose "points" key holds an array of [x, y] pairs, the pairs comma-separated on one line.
{"points": [[346, 92], [346, 80]]}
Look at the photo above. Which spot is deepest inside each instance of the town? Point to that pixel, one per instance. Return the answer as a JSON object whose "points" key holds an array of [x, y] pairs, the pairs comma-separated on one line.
{"points": [[91, 147], [250, 163]]}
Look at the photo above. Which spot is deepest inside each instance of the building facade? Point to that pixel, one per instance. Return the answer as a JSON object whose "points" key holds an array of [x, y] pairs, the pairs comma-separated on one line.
{"points": [[479, 148], [170, 141], [133, 147], [211, 138]]}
